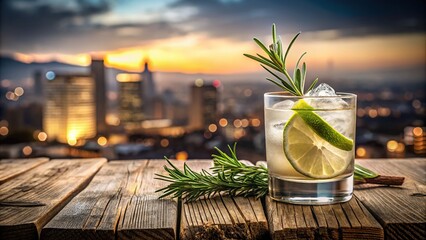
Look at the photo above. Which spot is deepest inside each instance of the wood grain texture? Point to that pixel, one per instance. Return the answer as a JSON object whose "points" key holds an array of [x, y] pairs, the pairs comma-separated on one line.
{"points": [[120, 202], [146, 216], [10, 168], [222, 217], [401, 210], [348, 220], [30, 200]]}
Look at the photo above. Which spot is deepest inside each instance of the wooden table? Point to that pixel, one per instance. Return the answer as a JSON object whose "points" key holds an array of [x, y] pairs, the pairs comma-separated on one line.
{"points": [[96, 199]]}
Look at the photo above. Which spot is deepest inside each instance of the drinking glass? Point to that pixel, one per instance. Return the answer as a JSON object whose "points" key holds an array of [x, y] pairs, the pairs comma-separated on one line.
{"points": [[310, 147]]}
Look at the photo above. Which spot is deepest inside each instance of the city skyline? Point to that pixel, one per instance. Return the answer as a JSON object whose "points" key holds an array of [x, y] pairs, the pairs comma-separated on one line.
{"points": [[342, 39], [159, 92]]}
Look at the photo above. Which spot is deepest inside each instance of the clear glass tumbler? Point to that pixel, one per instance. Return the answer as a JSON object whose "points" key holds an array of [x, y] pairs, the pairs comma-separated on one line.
{"points": [[310, 147]]}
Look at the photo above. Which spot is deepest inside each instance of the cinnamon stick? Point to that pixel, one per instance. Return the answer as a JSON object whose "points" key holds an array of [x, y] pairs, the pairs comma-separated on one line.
{"points": [[382, 179]]}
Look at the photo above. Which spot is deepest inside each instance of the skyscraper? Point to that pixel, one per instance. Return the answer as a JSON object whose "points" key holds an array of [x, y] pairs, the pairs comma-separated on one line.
{"points": [[70, 108], [97, 69], [203, 106], [148, 91], [130, 101], [38, 84]]}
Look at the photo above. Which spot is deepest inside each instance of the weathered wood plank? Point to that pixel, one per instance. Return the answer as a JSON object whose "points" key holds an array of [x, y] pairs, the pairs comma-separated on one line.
{"points": [[120, 202], [400, 210], [30, 200], [95, 211], [10, 168], [146, 216], [348, 220], [222, 217]]}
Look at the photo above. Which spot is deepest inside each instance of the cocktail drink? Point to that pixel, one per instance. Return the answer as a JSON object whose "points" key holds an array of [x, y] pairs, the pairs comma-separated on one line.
{"points": [[310, 146], [309, 132]]}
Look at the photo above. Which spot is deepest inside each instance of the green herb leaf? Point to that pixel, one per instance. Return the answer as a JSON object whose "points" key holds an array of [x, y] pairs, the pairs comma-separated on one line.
{"points": [[277, 61]]}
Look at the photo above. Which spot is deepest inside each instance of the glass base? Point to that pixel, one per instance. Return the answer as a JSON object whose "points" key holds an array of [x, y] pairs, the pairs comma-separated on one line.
{"points": [[314, 192]]}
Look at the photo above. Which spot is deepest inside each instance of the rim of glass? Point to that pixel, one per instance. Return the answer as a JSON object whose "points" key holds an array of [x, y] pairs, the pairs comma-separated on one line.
{"points": [[289, 95]]}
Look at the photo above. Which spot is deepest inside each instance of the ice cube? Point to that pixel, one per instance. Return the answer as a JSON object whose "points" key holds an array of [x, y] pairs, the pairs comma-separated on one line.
{"points": [[339, 120], [286, 104], [322, 90]]}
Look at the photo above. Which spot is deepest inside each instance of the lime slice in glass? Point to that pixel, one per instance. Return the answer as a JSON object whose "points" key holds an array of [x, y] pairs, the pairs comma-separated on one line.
{"points": [[313, 147]]}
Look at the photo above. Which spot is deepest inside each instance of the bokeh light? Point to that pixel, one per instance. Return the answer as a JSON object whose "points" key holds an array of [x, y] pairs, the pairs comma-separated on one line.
{"points": [[102, 141], [27, 150], [42, 136]]}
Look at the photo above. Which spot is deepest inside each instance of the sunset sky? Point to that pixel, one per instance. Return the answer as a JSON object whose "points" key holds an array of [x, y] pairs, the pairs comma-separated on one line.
{"points": [[210, 36]]}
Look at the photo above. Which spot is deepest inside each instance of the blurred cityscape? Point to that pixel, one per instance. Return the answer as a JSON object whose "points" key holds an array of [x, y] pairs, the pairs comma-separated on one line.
{"points": [[69, 90], [67, 111]]}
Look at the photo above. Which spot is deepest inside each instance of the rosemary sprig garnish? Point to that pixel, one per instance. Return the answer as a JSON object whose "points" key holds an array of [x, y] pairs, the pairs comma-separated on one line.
{"points": [[230, 176], [275, 64]]}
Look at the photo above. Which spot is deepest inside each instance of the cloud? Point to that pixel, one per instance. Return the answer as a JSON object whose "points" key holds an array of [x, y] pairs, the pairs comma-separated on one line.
{"points": [[240, 19], [78, 26], [45, 26]]}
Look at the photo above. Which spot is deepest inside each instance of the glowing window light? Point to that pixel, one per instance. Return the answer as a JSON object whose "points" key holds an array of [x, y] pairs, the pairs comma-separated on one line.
{"points": [[223, 122], [199, 82], [4, 131], [102, 141], [19, 91], [361, 152], [128, 77], [182, 155], [372, 113], [392, 145], [72, 141], [384, 112], [417, 131], [11, 96], [244, 123], [212, 128], [216, 83], [42, 136], [27, 150], [400, 148], [255, 122], [164, 142]]}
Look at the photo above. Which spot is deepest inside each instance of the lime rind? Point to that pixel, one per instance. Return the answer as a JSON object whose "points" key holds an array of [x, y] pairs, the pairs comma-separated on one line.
{"points": [[321, 127]]}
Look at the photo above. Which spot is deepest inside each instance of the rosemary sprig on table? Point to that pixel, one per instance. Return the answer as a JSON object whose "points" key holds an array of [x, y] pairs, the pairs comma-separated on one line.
{"points": [[230, 176], [275, 64]]}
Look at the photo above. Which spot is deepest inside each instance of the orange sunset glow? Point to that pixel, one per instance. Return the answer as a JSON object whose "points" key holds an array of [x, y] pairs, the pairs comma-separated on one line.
{"points": [[199, 54]]}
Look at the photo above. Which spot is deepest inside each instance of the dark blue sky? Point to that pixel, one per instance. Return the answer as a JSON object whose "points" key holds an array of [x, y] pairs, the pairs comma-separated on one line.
{"points": [[89, 25]]}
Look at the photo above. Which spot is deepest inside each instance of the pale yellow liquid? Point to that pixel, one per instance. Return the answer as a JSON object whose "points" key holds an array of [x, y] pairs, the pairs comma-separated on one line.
{"points": [[278, 164]]}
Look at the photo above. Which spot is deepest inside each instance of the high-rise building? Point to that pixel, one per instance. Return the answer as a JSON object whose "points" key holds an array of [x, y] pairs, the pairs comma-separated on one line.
{"points": [[70, 108], [148, 91], [38, 84], [203, 106], [130, 100], [97, 69]]}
